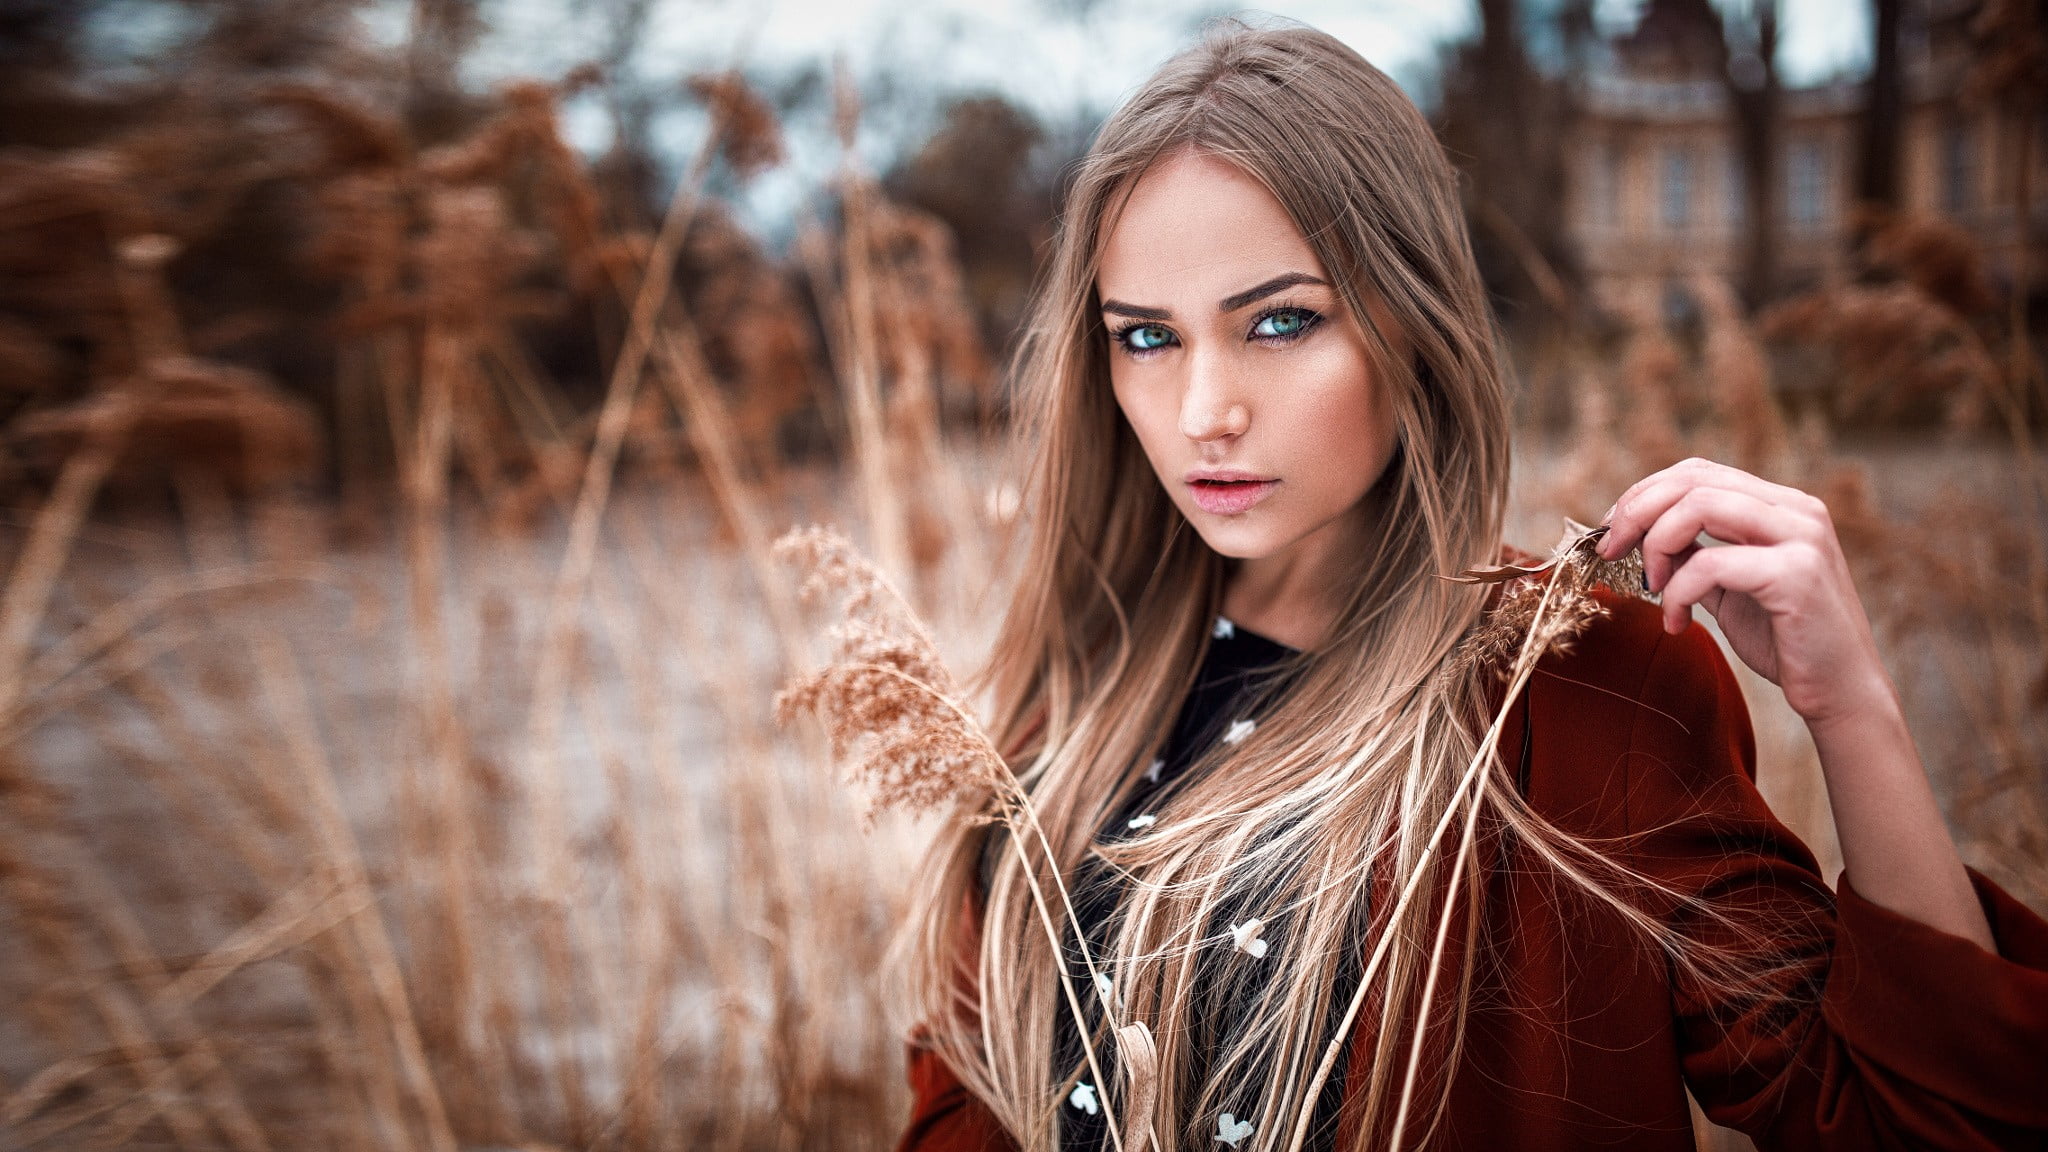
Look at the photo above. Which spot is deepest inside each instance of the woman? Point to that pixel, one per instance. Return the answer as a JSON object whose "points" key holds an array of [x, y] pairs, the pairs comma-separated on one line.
{"points": [[1262, 384]]}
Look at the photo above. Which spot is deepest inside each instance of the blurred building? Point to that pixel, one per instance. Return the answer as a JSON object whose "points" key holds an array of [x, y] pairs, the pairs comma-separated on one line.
{"points": [[1656, 181]]}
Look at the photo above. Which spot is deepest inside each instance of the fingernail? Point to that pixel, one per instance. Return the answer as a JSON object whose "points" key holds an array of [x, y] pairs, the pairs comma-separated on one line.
{"points": [[1609, 516]]}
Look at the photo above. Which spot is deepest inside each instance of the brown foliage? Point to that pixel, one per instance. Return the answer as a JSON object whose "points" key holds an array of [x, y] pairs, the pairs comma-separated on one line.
{"points": [[1895, 348], [1932, 254], [750, 134]]}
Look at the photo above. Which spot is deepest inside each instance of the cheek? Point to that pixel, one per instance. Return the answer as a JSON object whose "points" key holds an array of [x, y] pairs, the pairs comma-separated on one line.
{"points": [[1344, 413], [1149, 411]]}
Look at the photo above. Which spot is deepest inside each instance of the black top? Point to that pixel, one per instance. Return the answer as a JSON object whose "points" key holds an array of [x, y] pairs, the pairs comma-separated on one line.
{"points": [[1241, 674]]}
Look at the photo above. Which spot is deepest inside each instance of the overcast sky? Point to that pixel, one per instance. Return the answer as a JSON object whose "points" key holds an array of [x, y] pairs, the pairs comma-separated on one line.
{"points": [[1065, 60], [1044, 53]]}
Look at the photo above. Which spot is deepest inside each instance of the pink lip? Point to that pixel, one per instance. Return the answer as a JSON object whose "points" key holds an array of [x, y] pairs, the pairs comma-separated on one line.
{"points": [[1227, 493]]}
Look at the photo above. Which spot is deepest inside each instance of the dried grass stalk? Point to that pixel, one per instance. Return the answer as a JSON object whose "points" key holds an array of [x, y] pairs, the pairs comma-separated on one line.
{"points": [[1520, 616], [1538, 618], [889, 703]]}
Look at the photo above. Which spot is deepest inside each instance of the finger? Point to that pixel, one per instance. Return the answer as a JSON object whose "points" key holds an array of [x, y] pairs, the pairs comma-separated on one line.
{"points": [[1648, 498], [1746, 568], [1672, 565], [1724, 514], [1699, 469]]}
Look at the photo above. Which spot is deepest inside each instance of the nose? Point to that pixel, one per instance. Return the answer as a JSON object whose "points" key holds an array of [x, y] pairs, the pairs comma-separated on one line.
{"points": [[1210, 408]]}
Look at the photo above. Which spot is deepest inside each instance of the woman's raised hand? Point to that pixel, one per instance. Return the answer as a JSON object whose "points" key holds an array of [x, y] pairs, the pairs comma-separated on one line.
{"points": [[1778, 586]]}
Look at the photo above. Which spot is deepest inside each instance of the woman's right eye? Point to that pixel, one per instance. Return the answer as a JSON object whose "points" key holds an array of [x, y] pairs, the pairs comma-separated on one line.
{"points": [[1137, 338]]}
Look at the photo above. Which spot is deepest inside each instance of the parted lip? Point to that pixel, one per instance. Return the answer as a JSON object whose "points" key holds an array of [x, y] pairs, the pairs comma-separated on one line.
{"points": [[1222, 476]]}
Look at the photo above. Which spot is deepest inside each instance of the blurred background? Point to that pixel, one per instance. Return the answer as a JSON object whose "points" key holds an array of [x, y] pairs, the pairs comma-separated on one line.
{"points": [[398, 401]]}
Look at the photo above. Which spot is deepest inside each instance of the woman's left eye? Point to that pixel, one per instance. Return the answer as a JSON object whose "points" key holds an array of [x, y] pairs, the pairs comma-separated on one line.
{"points": [[1284, 323]]}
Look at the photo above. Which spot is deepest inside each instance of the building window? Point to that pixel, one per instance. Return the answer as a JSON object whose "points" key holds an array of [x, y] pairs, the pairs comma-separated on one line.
{"points": [[1734, 188], [1603, 184], [1807, 190], [1675, 203], [1957, 177]]}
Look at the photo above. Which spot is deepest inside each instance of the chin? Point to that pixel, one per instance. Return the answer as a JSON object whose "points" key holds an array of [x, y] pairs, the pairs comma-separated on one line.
{"points": [[1236, 539]]}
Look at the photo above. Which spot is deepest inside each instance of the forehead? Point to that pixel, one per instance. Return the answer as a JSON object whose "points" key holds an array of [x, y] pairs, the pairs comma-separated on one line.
{"points": [[1197, 228]]}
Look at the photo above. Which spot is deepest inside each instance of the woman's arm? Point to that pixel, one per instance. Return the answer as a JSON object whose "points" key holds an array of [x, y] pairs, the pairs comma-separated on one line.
{"points": [[1843, 1025], [944, 1115], [1894, 841], [1781, 591]]}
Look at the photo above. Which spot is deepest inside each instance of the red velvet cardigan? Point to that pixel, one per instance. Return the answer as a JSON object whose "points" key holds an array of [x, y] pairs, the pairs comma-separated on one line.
{"points": [[1897, 1035]]}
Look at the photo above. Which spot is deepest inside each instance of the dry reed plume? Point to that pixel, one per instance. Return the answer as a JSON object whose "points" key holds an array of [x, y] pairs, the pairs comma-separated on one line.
{"points": [[886, 697], [1521, 616]]}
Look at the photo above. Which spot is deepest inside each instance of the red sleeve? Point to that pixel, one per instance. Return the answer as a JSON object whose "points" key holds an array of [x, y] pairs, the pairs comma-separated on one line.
{"points": [[944, 1115], [1870, 1030], [1919, 1005]]}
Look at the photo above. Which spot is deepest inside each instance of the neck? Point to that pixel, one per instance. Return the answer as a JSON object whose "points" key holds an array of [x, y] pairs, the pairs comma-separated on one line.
{"points": [[1292, 595]]}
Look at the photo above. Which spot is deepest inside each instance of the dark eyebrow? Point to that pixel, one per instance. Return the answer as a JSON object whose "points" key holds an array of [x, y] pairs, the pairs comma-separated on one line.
{"points": [[1136, 311], [1227, 304], [1261, 291]]}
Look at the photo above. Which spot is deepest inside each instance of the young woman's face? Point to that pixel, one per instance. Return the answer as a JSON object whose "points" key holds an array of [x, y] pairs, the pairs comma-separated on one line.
{"points": [[1234, 361]]}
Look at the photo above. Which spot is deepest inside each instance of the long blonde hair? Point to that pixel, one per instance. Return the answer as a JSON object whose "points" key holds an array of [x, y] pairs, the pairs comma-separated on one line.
{"points": [[1347, 773]]}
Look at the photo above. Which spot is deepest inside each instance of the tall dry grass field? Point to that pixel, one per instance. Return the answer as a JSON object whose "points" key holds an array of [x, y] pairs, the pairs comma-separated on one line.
{"points": [[456, 817], [464, 823]]}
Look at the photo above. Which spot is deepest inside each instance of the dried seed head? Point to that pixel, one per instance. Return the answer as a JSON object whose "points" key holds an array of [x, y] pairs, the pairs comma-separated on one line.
{"points": [[151, 250], [1140, 1059], [845, 105], [750, 135], [1742, 396], [354, 136], [886, 698], [1520, 613]]}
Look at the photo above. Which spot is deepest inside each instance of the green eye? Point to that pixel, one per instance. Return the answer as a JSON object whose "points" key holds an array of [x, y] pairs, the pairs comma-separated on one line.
{"points": [[1284, 323], [1146, 337]]}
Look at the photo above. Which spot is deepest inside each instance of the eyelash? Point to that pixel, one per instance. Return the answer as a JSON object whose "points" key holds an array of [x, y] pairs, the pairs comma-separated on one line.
{"points": [[1309, 319]]}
